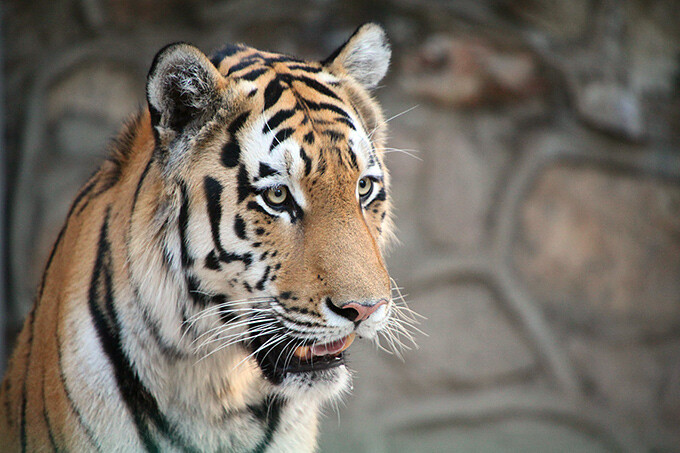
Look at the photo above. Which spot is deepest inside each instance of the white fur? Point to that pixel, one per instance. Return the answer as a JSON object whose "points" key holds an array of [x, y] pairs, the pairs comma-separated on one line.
{"points": [[285, 158], [366, 56]]}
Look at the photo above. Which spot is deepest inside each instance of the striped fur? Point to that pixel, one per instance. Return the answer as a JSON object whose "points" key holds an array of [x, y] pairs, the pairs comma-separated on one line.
{"points": [[176, 278]]}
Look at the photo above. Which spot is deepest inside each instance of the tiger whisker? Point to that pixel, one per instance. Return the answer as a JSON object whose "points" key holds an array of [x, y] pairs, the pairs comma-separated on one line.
{"points": [[217, 335], [191, 321], [389, 336], [402, 151], [238, 338], [393, 332], [237, 365], [218, 307], [269, 343], [223, 327], [384, 122]]}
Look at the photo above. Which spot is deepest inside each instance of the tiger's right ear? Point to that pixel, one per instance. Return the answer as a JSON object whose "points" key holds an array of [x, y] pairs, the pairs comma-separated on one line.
{"points": [[183, 88]]}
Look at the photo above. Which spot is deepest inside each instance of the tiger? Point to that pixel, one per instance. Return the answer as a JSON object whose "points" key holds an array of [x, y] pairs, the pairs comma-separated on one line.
{"points": [[211, 274]]}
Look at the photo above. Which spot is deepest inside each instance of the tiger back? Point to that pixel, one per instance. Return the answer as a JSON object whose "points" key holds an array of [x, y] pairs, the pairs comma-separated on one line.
{"points": [[211, 274]]}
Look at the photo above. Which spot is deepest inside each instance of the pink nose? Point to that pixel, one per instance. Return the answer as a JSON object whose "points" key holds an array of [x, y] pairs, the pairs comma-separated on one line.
{"points": [[357, 312]]}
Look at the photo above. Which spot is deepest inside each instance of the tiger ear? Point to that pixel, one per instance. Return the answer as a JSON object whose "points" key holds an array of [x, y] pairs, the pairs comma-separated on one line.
{"points": [[365, 56], [183, 87]]}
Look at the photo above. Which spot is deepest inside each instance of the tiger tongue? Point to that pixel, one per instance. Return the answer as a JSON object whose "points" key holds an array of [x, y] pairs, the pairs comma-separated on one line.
{"points": [[332, 348]]}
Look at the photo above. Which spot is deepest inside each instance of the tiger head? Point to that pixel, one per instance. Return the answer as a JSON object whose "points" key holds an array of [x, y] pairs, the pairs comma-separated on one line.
{"points": [[275, 210]]}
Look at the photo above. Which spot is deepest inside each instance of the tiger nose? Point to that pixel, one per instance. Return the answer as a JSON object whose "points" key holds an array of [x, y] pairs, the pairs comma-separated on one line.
{"points": [[357, 312]]}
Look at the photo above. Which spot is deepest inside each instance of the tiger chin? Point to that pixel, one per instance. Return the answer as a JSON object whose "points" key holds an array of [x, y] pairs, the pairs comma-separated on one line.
{"points": [[211, 275]]}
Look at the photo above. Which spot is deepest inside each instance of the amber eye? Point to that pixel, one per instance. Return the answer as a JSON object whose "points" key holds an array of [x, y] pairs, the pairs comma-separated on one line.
{"points": [[364, 187], [276, 196]]}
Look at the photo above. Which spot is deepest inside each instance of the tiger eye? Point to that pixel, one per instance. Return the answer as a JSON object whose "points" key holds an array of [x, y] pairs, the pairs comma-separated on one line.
{"points": [[364, 186], [276, 196]]}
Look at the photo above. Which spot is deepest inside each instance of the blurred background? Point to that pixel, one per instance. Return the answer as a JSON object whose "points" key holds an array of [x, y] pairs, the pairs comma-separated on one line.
{"points": [[537, 200]]}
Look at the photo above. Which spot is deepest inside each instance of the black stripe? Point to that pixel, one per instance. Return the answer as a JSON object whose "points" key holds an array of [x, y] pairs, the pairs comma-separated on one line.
{"points": [[313, 84], [108, 333], [227, 51], [254, 74], [269, 413], [239, 227], [84, 192], [302, 310], [266, 170], [142, 406], [272, 93], [309, 138], [195, 292], [50, 433], [49, 261], [280, 137], [243, 64], [382, 195], [243, 188], [238, 123], [140, 183], [260, 284], [318, 106], [211, 261], [335, 136], [229, 257], [213, 195], [304, 67], [347, 121], [213, 191], [353, 159], [231, 151], [203, 300], [282, 59], [278, 118], [307, 160], [371, 159], [183, 225], [254, 206]]}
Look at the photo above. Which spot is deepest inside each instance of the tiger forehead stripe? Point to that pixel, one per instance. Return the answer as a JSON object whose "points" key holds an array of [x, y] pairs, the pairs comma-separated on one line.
{"points": [[231, 151]]}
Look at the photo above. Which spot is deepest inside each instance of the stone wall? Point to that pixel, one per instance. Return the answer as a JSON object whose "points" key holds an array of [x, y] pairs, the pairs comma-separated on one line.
{"points": [[536, 169]]}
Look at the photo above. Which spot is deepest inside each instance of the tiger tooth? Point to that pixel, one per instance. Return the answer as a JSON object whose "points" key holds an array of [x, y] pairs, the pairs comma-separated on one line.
{"points": [[348, 341], [301, 352]]}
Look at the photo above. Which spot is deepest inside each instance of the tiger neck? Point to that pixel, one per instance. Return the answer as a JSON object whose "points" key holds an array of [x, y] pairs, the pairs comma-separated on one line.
{"points": [[188, 383]]}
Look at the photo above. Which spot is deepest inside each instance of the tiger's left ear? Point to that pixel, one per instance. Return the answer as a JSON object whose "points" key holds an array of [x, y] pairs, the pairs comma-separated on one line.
{"points": [[365, 56], [183, 87]]}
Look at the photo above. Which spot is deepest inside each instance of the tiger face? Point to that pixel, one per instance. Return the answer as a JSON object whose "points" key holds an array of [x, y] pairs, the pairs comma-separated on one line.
{"points": [[277, 210]]}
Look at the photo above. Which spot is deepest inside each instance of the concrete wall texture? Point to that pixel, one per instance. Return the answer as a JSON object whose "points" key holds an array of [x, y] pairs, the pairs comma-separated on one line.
{"points": [[536, 170]]}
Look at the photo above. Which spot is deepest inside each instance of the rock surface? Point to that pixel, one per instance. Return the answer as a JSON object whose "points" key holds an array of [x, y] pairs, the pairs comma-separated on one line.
{"points": [[594, 245]]}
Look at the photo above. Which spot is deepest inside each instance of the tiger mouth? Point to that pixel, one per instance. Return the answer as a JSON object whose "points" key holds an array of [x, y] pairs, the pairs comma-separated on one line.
{"points": [[278, 361]]}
